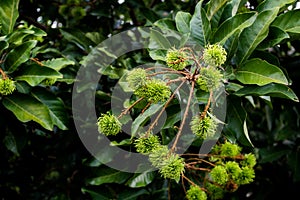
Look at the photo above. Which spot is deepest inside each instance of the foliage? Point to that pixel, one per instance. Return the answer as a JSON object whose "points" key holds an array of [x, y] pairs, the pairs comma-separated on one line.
{"points": [[44, 44]]}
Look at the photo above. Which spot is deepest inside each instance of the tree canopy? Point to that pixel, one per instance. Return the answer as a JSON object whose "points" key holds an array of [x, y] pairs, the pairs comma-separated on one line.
{"points": [[149, 99]]}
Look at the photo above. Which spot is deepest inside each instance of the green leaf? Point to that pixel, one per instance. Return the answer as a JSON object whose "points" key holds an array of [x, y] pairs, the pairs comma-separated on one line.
{"points": [[141, 180], [10, 143], [273, 89], [18, 55], [58, 63], [78, 38], [214, 6], [55, 105], [260, 72], [275, 36], [182, 20], [3, 45], [232, 25], [34, 74], [165, 23], [132, 194], [270, 4], [26, 108], [142, 117], [236, 127], [272, 154], [254, 34], [288, 22], [235, 5], [8, 15], [23, 87], [158, 40], [199, 25], [109, 175], [95, 195]]}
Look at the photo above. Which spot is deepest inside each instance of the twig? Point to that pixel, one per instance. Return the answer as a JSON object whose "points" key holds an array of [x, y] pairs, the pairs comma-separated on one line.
{"points": [[4, 76], [163, 109], [184, 117], [203, 114], [130, 107]]}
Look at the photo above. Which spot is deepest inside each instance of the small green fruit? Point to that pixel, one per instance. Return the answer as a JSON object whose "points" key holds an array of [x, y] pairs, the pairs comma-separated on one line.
{"points": [[195, 193], [203, 127], [176, 59], [154, 90], [231, 150], [7, 86], [214, 55], [172, 167], [146, 145], [136, 78], [109, 124], [209, 79]]}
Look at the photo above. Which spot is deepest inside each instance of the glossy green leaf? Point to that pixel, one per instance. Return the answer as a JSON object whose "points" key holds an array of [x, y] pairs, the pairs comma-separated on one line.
{"points": [[235, 5], [260, 72], [23, 87], [251, 36], [26, 108], [18, 35], [273, 89], [158, 40], [275, 36], [235, 124], [199, 25], [10, 143], [288, 21], [109, 175], [270, 4], [138, 122], [3, 45], [232, 25], [141, 180], [55, 105], [214, 6], [58, 63], [8, 15], [78, 38], [165, 23], [182, 20], [35, 74], [95, 195], [19, 55]]}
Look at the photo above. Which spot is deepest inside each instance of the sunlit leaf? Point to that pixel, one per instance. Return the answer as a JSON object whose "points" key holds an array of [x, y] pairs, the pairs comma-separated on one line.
{"points": [[260, 72], [8, 15], [27, 108]]}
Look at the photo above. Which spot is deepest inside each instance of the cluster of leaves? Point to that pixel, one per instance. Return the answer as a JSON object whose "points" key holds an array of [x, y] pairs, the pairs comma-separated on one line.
{"points": [[42, 44]]}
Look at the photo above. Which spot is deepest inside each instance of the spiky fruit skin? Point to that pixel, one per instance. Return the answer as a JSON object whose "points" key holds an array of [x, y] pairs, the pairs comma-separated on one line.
{"points": [[146, 145], [154, 90], [209, 79], [176, 59], [203, 127], [108, 124], [214, 55], [229, 149], [7, 86], [172, 167], [195, 193], [136, 78], [219, 175]]}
